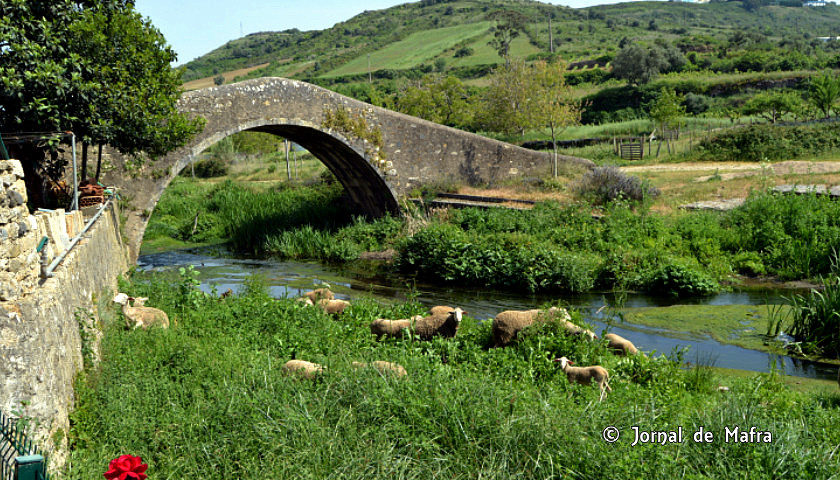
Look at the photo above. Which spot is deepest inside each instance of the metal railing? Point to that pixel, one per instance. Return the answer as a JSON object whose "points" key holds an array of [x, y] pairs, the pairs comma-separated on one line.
{"points": [[20, 458]]}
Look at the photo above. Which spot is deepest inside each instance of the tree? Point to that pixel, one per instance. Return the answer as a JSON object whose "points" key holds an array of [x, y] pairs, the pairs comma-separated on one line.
{"points": [[666, 111], [506, 102], [773, 105], [638, 64], [219, 80], [509, 24], [96, 68], [823, 92], [438, 99], [553, 104]]}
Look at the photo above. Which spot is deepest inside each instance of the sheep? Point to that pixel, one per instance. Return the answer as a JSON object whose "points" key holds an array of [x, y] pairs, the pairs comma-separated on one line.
{"points": [[333, 307], [383, 367], [576, 330], [440, 310], [305, 301], [319, 294], [509, 323], [620, 345], [585, 375], [382, 327], [303, 368], [439, 325], [139, 315]]}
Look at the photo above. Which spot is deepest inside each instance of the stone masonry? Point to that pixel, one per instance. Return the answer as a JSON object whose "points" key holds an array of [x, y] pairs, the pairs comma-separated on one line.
{"points": [[40, 320]]}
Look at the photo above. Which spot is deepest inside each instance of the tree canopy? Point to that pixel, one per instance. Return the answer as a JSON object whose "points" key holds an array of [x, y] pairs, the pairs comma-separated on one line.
{"points": [[97, 68]]}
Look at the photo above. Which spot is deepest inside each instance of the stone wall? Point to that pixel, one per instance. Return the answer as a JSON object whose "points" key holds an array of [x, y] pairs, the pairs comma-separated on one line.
{"points": [[40, 342]]}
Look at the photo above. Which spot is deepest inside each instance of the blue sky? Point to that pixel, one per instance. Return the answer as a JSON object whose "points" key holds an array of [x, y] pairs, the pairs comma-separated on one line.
{"points": [[194, 27]]}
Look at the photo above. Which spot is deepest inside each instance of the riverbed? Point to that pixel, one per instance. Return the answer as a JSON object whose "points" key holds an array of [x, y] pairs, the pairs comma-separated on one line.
{"points": [[219, 272]]}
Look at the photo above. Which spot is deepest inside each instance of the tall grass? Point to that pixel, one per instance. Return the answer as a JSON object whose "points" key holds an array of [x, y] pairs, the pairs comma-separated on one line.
{"points": [[207, 399], [815, 318]]}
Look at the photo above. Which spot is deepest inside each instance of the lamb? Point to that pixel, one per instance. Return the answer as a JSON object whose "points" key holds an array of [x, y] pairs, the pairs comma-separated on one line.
{"points": [[319, 294], [576, 330], [439, 325], [139, 315], [620, 345], [509, 323], [382, 327], [585, 375], [303, 368], [333, 307], [384, 367]]}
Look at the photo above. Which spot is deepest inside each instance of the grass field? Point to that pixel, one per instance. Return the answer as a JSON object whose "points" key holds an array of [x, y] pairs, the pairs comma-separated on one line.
{"points": [[485, 54], [207, 399], [411, 51]]}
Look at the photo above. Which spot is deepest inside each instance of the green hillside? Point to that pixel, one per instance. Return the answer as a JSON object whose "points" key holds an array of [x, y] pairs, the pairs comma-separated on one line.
{"points": [[414, 35]]}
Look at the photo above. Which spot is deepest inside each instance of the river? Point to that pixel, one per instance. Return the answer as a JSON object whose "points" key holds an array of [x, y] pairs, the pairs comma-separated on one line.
{"points": [[288, 278]]}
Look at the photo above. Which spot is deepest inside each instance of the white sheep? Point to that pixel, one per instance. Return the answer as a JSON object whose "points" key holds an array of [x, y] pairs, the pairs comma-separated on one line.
{"points": [[620, 345], [439, 325], [306, 301], [303, 368], [383, 367], [440, 310], [333, 307], [576, 330], [383, 327], [509, 323], [141, 316], [585, 375], [319, 294]]}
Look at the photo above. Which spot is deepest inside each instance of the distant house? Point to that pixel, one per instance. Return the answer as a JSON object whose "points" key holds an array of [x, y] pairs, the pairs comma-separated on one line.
{"points": [[814, 3]]}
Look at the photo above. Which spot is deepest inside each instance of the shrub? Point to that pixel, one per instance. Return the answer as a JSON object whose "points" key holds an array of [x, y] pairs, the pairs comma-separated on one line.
{"points": [[679, 279], [771, 142], [696, 104], [605, 184], [211, 167]]}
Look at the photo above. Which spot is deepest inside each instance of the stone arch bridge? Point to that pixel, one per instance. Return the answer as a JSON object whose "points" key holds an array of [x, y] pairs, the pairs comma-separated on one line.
{"points": [[413, 151]]}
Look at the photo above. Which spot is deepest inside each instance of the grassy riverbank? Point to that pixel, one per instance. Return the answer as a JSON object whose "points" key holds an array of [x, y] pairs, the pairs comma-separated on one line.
{"points": [[553, 247], [206, 399]]}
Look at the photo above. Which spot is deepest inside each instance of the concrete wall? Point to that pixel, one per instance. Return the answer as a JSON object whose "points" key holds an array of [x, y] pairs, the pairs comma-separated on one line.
{"points": [[40, 343]]}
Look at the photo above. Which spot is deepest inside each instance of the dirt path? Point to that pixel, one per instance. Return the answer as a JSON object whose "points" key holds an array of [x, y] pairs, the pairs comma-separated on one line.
{"points": [[779, 168]]}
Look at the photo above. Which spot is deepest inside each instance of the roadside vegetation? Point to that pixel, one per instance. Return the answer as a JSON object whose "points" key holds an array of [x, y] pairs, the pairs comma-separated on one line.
{"points": [[207, 398]]}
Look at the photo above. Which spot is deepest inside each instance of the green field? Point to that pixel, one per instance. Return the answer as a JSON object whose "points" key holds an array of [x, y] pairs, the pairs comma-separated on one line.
{"points": [[413, 50], [486, 54]]}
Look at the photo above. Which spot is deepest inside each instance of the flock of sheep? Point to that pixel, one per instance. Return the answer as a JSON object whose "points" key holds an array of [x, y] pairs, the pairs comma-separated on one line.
{"points": [[443, 321]]}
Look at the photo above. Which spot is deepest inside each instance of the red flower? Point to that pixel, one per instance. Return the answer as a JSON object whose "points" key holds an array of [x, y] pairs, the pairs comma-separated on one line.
{"points": [[126, 467]]}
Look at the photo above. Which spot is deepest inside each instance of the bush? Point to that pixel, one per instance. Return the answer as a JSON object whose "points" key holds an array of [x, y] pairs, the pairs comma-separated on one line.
{"points": [[772, 142], [211, 167], [602, 185], [696, 104], [679, 279]]}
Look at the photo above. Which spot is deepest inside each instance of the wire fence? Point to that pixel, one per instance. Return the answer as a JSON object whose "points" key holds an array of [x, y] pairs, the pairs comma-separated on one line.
{"points": [[20, 458]]}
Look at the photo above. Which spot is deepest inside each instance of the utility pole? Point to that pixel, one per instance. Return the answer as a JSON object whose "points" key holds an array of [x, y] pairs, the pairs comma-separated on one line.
{"points": [[550, 36], [288, 170]]}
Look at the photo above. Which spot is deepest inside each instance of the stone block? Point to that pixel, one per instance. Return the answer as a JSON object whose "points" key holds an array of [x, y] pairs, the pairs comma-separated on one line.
{"points": [[17, 168]]}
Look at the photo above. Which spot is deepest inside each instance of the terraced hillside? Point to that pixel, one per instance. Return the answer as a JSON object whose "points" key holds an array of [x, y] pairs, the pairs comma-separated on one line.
{"points": [[415, 35]]}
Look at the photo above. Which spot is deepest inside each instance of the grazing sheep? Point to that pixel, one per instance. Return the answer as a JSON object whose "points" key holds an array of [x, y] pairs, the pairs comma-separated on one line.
{"points": [[585, 375], [383, 367], [439, 325], [382, 327], [576, 330], [319, 294], [306, 301], [620, 345], [141, 316], [509, 323], [303, 368], [440, 310], [333, 307]]}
